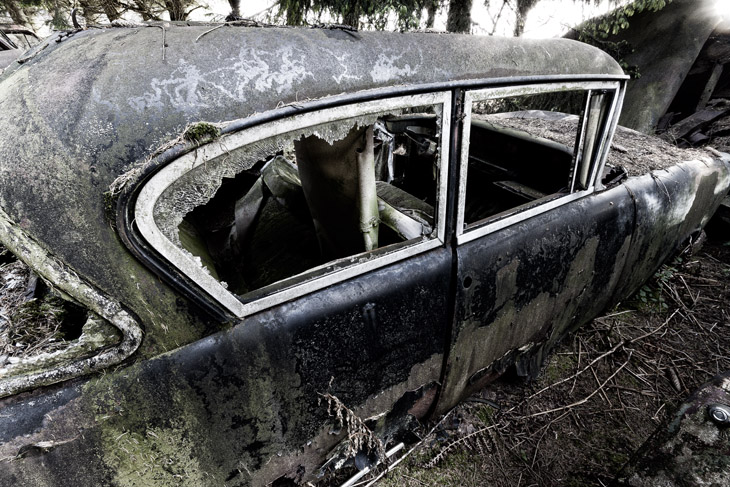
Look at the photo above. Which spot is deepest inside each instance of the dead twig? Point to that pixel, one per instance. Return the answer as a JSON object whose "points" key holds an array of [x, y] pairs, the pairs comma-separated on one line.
{"points": [[359, 436], [575, 379], [454, 444], [209, 31], [601, 357], [582, 401]]}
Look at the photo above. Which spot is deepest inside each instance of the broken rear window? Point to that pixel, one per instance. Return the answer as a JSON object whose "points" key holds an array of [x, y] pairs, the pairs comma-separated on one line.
{"points": [[298, 199]]}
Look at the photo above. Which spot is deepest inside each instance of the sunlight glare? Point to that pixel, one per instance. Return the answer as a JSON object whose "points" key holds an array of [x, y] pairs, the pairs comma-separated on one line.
{"points": [[722, 8]]}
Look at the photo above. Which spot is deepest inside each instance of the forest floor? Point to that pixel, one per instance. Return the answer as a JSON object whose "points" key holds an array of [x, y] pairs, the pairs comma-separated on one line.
{"points": [[603, 391]]}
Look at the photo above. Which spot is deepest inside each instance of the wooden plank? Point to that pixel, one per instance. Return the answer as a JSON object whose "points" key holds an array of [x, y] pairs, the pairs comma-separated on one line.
{"points": [[694, 122], [710, 86]]}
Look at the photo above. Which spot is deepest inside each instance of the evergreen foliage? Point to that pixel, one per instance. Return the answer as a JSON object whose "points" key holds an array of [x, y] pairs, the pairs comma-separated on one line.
{"points": [[96, 11], [358, 13], [376, 14]]}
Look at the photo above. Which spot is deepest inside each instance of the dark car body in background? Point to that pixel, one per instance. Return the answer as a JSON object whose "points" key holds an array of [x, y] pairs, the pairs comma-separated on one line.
{"points": [[209, 196], [14, 40]]}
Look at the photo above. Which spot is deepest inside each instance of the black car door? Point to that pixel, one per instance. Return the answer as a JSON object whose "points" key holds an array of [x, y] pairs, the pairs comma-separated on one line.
{"points": [[539, 249]]}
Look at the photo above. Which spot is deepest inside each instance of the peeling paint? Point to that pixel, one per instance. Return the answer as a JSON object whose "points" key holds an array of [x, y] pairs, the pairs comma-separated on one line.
{"points": [[343, 75], [186, 85], [387, 68]]}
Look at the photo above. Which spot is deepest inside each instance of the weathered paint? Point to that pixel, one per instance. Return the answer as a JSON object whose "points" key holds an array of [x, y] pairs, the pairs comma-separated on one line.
{"points": [[545, 276], [672, 205], [523, 288], [209, 402]]}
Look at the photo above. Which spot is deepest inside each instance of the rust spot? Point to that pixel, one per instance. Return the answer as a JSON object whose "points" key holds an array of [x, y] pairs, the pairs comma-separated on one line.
{"points": [[422, 405]]}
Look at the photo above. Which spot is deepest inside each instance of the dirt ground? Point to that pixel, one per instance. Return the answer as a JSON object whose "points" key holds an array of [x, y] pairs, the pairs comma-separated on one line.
{"points": [[602, 393]]}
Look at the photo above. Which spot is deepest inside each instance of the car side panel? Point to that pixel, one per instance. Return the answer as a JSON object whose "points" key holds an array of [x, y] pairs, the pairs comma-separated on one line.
{"points": [[243, 406], [522, 288], [671, 206]]}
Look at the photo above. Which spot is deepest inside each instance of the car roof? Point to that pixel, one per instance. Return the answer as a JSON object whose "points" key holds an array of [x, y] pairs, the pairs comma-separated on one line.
{"points": [[124, 78], [7, 56], [202, 69], [224, 73]]}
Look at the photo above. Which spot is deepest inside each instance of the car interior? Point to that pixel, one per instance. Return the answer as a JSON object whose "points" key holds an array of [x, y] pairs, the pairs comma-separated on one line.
{"points": [[306, 205]]}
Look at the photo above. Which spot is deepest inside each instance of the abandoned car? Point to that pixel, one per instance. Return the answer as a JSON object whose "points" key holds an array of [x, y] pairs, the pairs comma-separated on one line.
{"points": [[265, 226]]}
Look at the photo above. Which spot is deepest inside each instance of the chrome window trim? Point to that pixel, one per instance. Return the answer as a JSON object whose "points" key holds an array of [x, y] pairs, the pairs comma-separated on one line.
{"points": [[162, 179], [467, 235], [607, 136], [578, 154], [518, 216]]}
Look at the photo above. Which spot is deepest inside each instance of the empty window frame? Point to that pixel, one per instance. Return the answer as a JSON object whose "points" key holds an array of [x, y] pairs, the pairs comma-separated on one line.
{"points": [[528, 149], [278, 210]]}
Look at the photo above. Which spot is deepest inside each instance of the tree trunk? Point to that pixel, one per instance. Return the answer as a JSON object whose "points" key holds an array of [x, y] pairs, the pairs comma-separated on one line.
{"points": [[235, 8], [144, 10], [176, 9], [519, 24], [523, 7], [90, 13], [58, 19], [295, 11], [431, 9], [459, 17], [16, 13], [111, 9], [351, 16]]}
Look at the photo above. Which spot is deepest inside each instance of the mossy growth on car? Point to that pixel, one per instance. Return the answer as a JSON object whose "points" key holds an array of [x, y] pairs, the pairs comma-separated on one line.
{"points": [[200, 132]]}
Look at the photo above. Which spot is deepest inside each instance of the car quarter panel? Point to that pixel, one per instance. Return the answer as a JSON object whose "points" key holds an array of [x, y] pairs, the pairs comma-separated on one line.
{"points": [[672, 205], [246, 405]]}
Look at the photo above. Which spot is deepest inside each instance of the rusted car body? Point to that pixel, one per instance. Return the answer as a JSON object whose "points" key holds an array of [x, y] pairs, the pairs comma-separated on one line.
{"points": [[259, 220]]}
